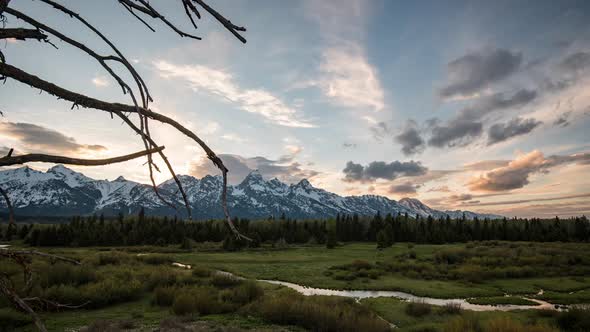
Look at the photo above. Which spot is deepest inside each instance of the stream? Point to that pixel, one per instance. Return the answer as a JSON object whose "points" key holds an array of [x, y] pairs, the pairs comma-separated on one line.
{"points": [[363, 294]]}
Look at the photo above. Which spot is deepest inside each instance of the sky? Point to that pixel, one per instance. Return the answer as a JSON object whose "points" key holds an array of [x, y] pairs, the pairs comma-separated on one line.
{"points": [[473, 105]]}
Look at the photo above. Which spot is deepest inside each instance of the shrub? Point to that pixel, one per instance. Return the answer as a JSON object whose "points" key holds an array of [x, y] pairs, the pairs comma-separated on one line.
{"points": [[345, 276], [155, 259], [505, 324], [65, 274], [451, 308], [547, 313], [203, 300], [577, 318], [280, 243], [418, 309], [65, 294], [161, 276], [201, 272], [163, 296], [462, 324], [184, 304], [224, 280], [245, 293], [206, 301], [318, 313], [360, 265], [451, 256], [11, 319], [112, 258], [111, 291]]}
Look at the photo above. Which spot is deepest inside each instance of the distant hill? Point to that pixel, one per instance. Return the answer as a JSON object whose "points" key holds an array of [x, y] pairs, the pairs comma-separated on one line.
{"points": [[63, 192]]}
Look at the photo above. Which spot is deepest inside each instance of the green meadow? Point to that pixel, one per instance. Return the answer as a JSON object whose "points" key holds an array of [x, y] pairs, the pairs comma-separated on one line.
{"points": [[138, 288]]}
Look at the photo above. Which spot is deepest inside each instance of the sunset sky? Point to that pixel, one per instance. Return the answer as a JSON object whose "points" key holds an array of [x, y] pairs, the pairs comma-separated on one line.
{"points": [[476, 105]]}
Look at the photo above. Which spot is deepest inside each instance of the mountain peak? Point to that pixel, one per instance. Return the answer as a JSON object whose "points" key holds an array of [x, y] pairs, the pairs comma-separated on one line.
{"points": [[304, 184], [59, 169], [253, 177], [255, 174], [120, 179]]}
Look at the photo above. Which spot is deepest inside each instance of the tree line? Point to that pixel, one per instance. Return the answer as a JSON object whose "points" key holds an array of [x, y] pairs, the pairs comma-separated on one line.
{"points": [[384, 230]]}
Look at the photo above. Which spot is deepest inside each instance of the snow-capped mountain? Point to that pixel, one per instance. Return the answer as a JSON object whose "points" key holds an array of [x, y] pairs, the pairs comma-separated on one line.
{"points": [[63, 192]]}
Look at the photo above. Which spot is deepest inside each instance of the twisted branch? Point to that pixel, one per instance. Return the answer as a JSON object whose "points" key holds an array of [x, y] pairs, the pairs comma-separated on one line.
{"points": [[23, 258], [22, 34], [139, 107], [120, 109], [46, 158]]}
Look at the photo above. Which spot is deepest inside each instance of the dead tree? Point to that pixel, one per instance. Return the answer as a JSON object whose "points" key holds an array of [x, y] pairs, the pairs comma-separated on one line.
{"points": [[136, 115]]}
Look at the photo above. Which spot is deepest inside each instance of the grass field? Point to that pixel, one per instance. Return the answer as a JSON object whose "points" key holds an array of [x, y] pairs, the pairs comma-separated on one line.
{"points": [[349, 266], [308, 265]]}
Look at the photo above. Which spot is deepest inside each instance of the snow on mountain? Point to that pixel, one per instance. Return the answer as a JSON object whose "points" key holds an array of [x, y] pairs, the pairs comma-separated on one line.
{"points": [[61, 192]]}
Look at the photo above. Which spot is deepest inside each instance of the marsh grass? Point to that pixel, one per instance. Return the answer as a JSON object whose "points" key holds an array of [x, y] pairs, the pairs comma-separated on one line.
{"points": [[318, 313]]}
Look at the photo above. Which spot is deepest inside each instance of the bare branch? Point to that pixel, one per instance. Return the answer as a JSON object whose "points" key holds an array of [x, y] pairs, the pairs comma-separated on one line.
{"points": [[45, 158], [120, 109], [3, 5], [45, 304], [8, 291], [22, 34], [226, 23], [17, 254], [22, 257], [147, 9]]}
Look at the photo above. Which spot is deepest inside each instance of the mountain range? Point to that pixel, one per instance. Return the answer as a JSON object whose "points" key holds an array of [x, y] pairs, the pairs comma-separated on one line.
{"points": [[61, 191]]}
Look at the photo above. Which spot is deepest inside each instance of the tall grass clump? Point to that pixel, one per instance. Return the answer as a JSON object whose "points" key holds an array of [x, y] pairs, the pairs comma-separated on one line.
{"points": [[223, 280], [418, 309], [317, 313], [577, 318], [163, 296], [451, 308]]}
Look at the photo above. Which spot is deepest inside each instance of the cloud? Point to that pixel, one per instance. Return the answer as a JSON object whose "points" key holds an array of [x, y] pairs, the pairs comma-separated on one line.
{"points": [[239, 167], [516, 174], [345, 74], [36, 138], [538, 199], [576, 62], [496, 102], [210, 128], [382, 170], [441, 189], [293, 149], [455, 133], [503, 131], [467, 124], [380, 130], [100, 81], [406, 188], [349, 80], [410, 139], [563, 119], [472, 72], [233, 138], [485, 165], [222, 84], [459, 198]]}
